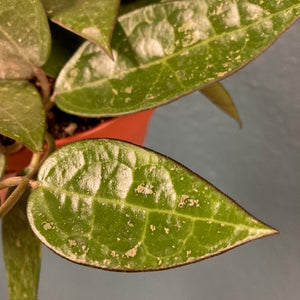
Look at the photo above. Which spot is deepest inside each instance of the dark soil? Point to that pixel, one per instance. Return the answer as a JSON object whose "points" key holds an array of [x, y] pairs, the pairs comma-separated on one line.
{"points": [[6, 141], [62, 125]]}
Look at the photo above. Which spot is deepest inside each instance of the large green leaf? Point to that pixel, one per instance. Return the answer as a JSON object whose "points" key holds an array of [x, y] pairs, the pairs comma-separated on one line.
{"points": [[114, 205], [24, 38], [218, 95], [22, 253], [2, 164], [22, 114], [164, 51], [92, 19]]}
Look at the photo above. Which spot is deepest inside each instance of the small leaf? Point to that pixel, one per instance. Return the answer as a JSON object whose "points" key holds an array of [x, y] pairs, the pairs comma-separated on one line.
{"points": [[117, 206], [164, 51], [24, 38], [2, 164], [22, 253], [64, 44], [92, 19], [22, 116], [218, 95]]}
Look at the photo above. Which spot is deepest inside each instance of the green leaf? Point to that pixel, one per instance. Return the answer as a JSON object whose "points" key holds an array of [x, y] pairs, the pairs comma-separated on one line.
{"points": [[92, 19], [22, 116], [218, 95], [117, 206], [164, 51], [64, 44], [22, 253], [2, 164], [24, 38]]}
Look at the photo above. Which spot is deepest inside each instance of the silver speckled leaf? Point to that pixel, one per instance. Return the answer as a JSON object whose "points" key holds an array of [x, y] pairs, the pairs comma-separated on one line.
{"points": [[22, 115], [166, 50], [117, 206], [25, 39]]}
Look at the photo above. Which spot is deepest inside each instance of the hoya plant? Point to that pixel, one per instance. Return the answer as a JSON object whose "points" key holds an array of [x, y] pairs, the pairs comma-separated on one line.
{"points": [[107, 203]]}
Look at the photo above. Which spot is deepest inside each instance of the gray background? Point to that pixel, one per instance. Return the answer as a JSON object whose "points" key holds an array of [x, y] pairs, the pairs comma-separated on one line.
{"points": [[258, 166]]}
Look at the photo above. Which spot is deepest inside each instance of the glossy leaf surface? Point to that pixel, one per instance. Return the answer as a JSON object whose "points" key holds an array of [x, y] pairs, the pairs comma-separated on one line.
{"points": [[114, 205], [24, 38], [22, 115], [218, 95], [92, 19], [22, 253], [2, 164], [164, 51]]}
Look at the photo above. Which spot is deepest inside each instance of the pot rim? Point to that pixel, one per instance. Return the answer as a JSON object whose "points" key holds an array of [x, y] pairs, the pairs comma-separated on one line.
{"points": [[100, 126]]}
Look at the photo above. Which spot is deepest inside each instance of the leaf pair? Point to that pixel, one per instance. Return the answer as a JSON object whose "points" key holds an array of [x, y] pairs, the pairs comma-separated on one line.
{"points": [[25, 45], [25, 35]]}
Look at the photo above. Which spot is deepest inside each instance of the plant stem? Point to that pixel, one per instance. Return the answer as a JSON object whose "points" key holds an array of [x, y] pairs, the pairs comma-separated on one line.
{"points": [[11, 181], [24, 182], [16, 180], [51, 144], [35, 160], [44, 84], [14, 197], [50, 103]]}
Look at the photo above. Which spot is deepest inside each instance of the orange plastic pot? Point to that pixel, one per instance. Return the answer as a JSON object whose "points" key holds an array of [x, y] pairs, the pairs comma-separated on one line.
{"points": [[131, 128]]}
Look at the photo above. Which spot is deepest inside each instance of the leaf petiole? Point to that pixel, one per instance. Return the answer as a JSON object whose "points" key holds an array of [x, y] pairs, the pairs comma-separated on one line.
{"points": [[16, 180], [23, 183], [43, 83], [9, 182], [14, 197], [36, 160]]}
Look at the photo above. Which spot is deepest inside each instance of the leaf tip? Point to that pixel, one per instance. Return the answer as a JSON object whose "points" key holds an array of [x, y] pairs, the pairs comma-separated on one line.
{"points": [[267, 231], [273, 231]]}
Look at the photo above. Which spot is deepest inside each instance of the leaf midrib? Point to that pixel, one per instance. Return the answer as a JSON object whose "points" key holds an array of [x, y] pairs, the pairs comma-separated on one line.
{"points": [[123, 202], [165, 58]]}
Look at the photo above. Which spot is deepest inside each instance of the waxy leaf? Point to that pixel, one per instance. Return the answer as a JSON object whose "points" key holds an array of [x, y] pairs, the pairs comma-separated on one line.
{"points": [[92, 19], [117, 206], [218, 95], [22, 253], [2, 164], [164, 51], [22, 116], [24, 38]]}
